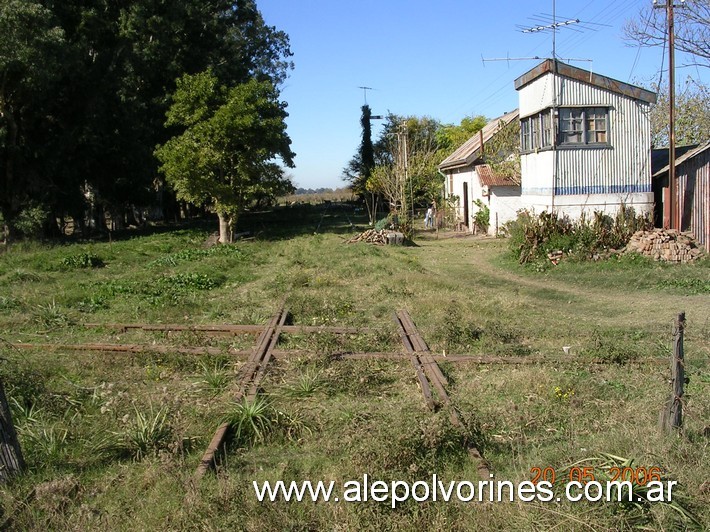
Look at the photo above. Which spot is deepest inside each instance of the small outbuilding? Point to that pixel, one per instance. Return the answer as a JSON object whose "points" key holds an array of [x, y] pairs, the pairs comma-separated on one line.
{"points": [[471, 181], [692, 167]]}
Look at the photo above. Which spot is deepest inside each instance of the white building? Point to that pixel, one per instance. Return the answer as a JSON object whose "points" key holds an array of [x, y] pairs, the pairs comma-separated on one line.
{"points": [[467, 179], [585, 146], [598, 156]]}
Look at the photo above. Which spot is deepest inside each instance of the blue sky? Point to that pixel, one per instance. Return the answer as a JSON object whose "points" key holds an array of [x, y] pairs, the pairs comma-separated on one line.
{"points": [[424, 58]]}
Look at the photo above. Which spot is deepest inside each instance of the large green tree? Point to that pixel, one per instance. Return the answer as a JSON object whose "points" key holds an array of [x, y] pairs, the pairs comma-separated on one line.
{"points": [[29, 60], [225, 155], [86, 85]]}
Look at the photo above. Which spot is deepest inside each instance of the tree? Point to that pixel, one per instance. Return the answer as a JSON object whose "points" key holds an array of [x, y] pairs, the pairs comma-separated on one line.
{"points": [[28, 60], [406, 156], [692, 29], [225, 154], [692, 121], [450, 137]]}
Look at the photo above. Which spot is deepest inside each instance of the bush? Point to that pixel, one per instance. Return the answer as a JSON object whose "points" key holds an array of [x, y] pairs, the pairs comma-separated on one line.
{"points": [[30, 221], [533, 237], [83, 260]]}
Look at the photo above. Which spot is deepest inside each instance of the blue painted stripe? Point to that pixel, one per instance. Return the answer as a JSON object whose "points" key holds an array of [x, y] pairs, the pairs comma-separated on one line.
{"points": [[602, 189]]}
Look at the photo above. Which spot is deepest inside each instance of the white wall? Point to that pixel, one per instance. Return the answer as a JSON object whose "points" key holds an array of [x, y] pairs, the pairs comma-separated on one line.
{"points": [[589, 179]]}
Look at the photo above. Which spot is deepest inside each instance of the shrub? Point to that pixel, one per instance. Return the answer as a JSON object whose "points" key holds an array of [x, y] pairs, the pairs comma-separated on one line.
{"points": [[482, 218], [533, 237], [83, 260]]}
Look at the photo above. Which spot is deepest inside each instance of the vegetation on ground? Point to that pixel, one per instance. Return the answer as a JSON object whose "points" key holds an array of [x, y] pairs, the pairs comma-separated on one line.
{"points": [[99, 428]]}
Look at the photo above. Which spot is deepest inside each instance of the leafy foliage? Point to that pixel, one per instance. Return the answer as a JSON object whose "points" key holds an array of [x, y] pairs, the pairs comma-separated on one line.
{"points": [[224, 156], [533, 237]]}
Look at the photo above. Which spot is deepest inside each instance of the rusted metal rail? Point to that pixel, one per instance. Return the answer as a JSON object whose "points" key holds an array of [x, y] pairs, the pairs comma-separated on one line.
{"points": [[250, 376], [427, 369], [228, 329]]}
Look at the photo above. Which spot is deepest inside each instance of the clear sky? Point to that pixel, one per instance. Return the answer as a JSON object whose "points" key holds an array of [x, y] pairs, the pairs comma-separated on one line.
{"points": [[424, 58]]}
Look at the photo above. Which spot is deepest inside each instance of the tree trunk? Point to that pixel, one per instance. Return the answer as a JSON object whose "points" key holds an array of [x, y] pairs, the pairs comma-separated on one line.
{"points": [[11, 460], [225, 228]]}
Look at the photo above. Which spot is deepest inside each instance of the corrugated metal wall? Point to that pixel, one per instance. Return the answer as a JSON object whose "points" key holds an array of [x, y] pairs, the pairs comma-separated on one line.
{"points": [[623, 168], [694, 194]]}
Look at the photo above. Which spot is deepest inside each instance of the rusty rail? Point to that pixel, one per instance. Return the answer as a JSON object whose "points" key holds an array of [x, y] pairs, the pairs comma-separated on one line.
{"points": [[425, 364], [228, 329], [250, 375]]}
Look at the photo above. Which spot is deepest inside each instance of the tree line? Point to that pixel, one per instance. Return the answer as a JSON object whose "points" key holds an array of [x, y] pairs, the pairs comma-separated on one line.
{"points": [[100, 100]]}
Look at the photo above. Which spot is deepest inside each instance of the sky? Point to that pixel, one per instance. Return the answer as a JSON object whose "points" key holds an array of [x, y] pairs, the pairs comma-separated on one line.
{"points": [[426, 58]]}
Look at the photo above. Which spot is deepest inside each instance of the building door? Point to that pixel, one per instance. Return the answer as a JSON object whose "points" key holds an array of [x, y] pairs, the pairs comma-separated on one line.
{"points": [[465, 204]]}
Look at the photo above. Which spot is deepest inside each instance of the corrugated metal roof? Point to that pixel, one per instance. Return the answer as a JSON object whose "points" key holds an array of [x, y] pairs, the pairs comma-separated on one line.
{"points": [[487, 176], [687, 155], [659, 157], [585, 76], [470, 151]]}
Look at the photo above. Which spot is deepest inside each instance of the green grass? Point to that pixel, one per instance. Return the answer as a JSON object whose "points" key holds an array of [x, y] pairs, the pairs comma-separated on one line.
{"points": [[98, 429]]}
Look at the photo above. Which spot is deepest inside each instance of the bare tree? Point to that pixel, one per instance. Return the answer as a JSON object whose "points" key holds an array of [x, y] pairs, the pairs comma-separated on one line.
{"points": [[409, 152], [692, 29]]}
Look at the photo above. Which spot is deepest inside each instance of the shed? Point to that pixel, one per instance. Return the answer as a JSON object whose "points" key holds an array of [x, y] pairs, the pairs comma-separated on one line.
{"points": [[462, 180], [693, 176]]}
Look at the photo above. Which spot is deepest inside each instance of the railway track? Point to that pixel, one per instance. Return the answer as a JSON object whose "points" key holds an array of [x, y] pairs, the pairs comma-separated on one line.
{"points": [[430, 377]]}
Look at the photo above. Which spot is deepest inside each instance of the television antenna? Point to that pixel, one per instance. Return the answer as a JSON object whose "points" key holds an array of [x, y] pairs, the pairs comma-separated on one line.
{"points": [[364, 92]]}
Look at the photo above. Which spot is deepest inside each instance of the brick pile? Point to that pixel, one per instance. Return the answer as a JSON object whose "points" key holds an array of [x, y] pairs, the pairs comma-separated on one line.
{"points": [[668, 245]]}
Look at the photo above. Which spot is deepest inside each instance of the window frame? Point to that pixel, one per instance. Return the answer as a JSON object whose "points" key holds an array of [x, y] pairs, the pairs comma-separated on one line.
{"points": [[580, 118]]}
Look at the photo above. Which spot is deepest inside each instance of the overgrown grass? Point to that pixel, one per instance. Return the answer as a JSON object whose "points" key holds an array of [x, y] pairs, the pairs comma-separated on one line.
{"points": [[98, 428]]}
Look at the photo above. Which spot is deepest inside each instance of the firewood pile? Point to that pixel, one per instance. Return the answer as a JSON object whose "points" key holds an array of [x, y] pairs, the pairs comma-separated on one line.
{"points": [[668, 245], [371, 235]]}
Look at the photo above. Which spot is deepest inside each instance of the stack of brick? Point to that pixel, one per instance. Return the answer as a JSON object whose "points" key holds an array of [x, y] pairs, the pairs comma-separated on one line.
{"points": [[668, 245]]}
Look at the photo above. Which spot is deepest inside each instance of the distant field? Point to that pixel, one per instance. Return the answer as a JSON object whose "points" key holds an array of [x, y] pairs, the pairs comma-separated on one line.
{"points": [[112, 439]]}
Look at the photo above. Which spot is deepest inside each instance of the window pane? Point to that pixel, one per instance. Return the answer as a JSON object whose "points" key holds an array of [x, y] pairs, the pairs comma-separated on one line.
{"points": [[596, 124], [571, 126], [546, 129]]}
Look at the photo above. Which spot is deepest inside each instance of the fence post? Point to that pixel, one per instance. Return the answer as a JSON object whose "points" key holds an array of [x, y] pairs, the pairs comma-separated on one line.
{"points": [[11, 461], [673, 411]]}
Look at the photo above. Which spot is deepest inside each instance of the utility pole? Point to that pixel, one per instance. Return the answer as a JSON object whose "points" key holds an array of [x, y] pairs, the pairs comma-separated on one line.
{"points": [[674, 221]]}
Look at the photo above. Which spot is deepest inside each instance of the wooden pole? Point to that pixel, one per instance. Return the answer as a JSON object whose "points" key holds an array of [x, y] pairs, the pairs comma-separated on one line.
{"points": [[11, 460], [672, 418]]}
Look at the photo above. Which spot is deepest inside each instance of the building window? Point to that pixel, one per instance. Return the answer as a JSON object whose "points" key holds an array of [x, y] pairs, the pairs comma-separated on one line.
{"points": [[546, 128], [525, 144], [583, 126], [536, 131]]}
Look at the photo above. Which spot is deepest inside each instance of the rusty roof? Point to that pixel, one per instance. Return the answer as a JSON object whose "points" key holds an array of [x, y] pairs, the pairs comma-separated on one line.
{"points": [[585, 76], [470, 151], [489, 177], [684, 157]]}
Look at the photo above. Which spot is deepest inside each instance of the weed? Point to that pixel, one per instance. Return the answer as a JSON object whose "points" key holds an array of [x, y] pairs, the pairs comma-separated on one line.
{"points": [[8, 303], [85, 259], [213, 379], [91, 304], [20, 275], [192, 255], [533, 237], [307, 384], [615, 347], [251, 421], [51, 316], [688, 286], [46, 443], [636, 513], [145, 433]]}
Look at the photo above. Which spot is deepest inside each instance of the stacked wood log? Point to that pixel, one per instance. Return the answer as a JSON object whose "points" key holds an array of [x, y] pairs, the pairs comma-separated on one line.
{"points": [[668, 245], [371, 235]]}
